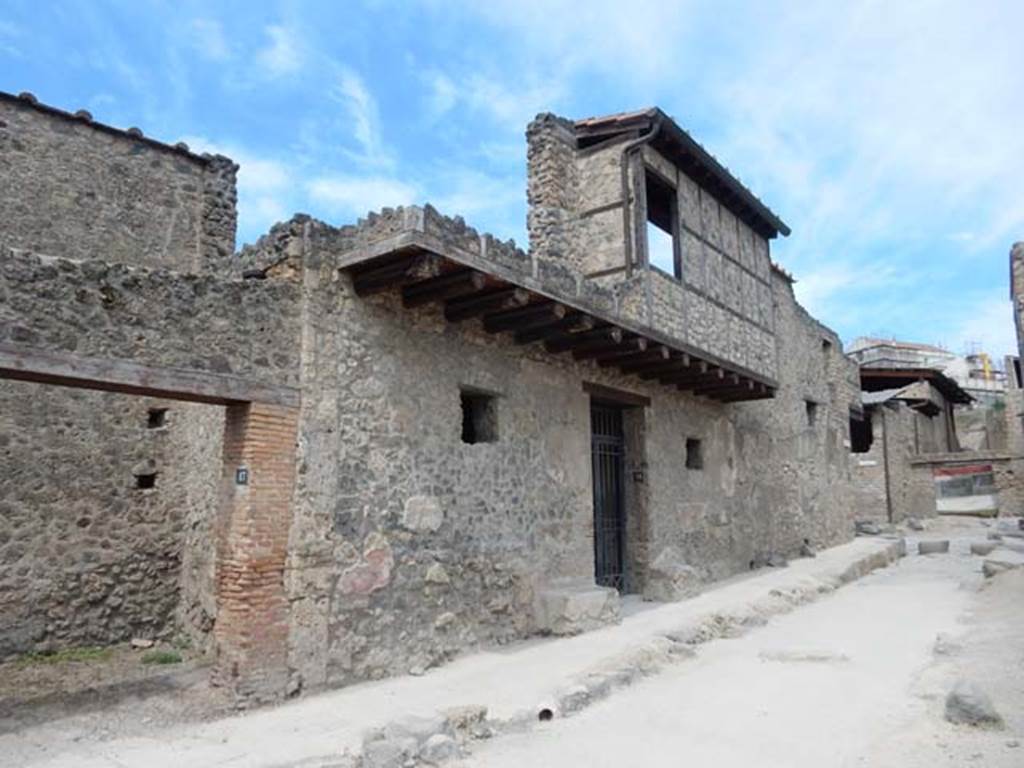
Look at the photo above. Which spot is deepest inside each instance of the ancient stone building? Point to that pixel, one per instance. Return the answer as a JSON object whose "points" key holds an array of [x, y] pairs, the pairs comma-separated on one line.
{"points": [[382, 444], [908, 416], [908, 458]]}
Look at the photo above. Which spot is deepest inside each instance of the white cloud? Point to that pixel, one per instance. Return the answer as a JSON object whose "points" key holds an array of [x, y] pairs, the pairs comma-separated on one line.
{"points": [[466, 191], [283, 54], [444, 94], [511, 103], [989, 322], [352, 93], [8, 33], [642, 39], [209, 40], [265, 186], [514, 106], [346, 195]]}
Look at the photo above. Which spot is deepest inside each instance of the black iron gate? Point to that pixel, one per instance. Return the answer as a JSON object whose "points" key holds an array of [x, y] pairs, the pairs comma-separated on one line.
{"points": [[607, 448]]}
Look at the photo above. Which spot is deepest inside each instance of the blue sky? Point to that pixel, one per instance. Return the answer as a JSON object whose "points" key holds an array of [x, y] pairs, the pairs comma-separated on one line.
{"points": [[888, 135]]}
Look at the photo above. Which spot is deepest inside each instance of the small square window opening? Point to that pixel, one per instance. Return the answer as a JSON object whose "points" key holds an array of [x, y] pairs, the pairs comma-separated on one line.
{"points": [[812, 412], [479, 417], [694, 459], [157, 418]]}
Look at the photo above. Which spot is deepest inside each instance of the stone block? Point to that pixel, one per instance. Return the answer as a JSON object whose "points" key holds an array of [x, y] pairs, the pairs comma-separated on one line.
{"points": [[670, 578], [575, 608], [867, 528], [982, 548], [969, 705], [993, 567], [436, 574], [438, 749], [938, 547], [422, 514]]}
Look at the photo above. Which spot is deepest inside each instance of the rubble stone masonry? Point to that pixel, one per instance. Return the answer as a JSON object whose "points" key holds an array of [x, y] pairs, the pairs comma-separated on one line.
{"points": [[365, 537]]}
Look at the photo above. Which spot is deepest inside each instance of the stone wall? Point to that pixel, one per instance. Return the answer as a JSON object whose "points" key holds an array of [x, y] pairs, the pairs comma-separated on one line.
{"points": [[151, 316], [870, 482], [409, 546], [1006, 471], [133, 558], [86, 556], [911, 487], [551, 191], [400, 544], [82, 190], [1017, 293]]}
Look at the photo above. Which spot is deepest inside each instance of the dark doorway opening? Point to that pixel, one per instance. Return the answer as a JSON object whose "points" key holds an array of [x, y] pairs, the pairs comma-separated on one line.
{"points": [[607, 442], [860, 434]]}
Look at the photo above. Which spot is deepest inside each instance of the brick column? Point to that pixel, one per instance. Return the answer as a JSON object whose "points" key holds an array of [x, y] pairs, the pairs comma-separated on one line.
{"points": [[251, 631]]}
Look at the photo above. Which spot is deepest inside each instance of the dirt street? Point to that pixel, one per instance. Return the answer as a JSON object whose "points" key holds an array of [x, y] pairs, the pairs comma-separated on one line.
{"points": [[857, 679], [775, 668]]}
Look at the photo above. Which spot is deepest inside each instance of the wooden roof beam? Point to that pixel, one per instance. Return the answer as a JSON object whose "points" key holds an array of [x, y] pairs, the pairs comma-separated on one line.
{"points": [[605, 336], [654, 354], [530, 316], [628, 346], [457, 310], [574, 321], [396, 273], [447, 286], [677, 361]]}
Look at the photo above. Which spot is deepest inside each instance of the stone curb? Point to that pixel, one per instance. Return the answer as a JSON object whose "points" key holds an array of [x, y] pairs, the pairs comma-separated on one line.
{"points": [[414, 741]]}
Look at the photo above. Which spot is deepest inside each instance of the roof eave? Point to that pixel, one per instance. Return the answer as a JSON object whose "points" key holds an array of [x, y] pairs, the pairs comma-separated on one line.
{"points": [[706, 160]]}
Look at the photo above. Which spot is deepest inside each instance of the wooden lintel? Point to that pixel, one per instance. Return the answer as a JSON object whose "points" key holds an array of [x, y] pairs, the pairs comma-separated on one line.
{"points": [[530, 316], [398, 273], [443, 287], [611, 394], [457, 310], [128, 377], [598, 337], [575, 321]]}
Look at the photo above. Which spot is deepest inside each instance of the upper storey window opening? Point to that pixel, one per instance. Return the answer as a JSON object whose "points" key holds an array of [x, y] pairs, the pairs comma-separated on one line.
{"points": [[662, 224]]}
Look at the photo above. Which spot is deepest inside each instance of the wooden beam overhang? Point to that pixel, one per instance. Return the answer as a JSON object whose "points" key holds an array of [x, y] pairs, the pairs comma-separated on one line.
{"points": [[561, 325], [25, 363], [655, 353]]}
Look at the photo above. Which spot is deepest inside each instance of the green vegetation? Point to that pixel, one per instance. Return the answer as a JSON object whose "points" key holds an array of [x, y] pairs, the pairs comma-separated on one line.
{"points": [[161, 657], [83, 654]]}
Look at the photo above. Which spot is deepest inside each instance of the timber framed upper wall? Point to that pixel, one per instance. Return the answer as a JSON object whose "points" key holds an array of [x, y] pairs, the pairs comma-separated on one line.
{"points": [[81, 189], [595, 189], [682, 149]]}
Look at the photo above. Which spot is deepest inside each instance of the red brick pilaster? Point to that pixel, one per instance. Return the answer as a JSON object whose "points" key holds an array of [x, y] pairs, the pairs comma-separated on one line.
{"points": [[251, 631]]}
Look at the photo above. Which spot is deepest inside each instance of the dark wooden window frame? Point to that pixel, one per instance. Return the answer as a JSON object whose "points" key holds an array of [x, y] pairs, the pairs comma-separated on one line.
{"points": [[661, 218]]}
